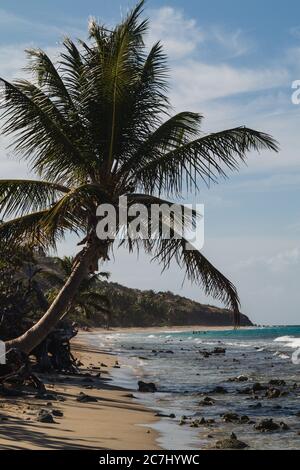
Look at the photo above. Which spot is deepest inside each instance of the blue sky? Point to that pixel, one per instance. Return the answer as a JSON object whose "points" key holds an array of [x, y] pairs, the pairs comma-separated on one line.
{"points": [[235, 63]]}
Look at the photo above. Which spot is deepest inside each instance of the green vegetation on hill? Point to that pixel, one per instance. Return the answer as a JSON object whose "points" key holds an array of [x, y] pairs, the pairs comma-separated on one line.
{"points": [[29, 282], [133, 307]]}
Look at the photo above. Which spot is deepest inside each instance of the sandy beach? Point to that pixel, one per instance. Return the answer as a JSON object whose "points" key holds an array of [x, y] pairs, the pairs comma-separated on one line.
{"points": [[113, 421], [162, 329]]}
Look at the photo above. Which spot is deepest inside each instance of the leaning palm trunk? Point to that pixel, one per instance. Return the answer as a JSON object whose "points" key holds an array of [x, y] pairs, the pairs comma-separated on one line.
{"points": [[37, 333]]}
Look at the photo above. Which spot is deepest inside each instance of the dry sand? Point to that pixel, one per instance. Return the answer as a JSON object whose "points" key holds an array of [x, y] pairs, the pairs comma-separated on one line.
{"points": [[115, 421]]}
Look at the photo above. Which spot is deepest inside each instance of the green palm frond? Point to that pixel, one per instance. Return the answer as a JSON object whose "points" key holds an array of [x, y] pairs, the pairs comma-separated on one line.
{"points": [[170, 135], [48, 78], [42, 135], [28, 231], [75, 73], [77, 207], [197, 268], [24, 196], [202, 158], [177, 249]]}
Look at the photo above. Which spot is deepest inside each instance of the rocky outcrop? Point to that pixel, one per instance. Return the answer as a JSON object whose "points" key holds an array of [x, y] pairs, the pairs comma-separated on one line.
{"points": [[146, 387]]}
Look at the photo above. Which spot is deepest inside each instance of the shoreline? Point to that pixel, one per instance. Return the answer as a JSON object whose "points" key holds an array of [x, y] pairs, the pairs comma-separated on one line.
{"points": [[239, 389], [113, 421], [158, 329]]}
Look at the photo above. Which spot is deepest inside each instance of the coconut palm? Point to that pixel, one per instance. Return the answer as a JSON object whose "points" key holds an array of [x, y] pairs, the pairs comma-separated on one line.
{"points": [[96, 126]]}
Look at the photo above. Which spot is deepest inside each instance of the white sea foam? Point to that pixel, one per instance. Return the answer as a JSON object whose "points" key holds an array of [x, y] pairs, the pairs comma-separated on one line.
{"points": [[289, 341]]}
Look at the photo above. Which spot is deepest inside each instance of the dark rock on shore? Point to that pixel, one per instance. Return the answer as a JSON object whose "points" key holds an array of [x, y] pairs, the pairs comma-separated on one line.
{"points": [[245, 391], [45, 416], [201, 422], [162, 415], [83, 398], [277, 383], [240, 378], [147, 387], [273, 393], [220, 390], [231, 443], [245, 419], [258, 387], [268, 425], [219, 351], [230, 417], [207, 402]]}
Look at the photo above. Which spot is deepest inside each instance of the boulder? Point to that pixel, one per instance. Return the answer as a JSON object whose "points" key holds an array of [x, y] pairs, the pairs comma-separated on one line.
{"points": [[245, 391], [83, 398], [240, 378], [244, 419], [45, 416], [258, 387], [145, 387], [230, 417], [267, 425], [273, 393], [277, 383], [219, 351], [231, 443], [284, 426], [207, 402]]}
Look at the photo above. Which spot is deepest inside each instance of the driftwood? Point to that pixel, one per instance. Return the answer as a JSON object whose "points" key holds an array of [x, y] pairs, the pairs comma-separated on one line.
{"points": [[16, 373], [54, 353]]}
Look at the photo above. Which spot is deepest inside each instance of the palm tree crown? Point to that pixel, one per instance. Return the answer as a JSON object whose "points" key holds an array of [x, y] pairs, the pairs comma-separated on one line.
{"points": [[95, 126]]}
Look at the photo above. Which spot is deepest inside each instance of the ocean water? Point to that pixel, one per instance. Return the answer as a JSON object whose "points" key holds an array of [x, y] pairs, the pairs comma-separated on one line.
{"points": [[175, 362]]}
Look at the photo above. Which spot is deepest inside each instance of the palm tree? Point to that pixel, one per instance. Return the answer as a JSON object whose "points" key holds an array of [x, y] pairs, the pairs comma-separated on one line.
{"points": [[97, 126], [88, 299]]}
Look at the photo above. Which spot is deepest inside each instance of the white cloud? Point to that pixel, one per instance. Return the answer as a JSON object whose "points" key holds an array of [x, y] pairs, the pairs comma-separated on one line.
{"points": [[12, 59], [233, 42], [277, 262], [182, 36], [179, 35], [284, 260], [196, 82]]}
